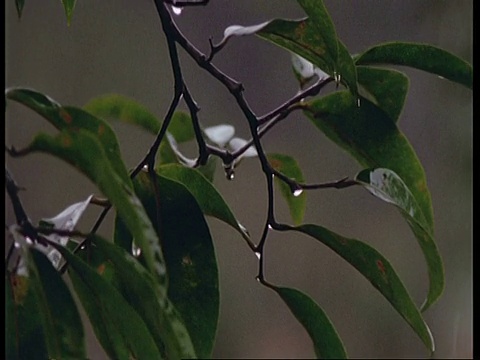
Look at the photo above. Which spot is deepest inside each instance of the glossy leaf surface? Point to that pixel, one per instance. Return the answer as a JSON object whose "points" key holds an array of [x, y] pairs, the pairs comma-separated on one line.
{"points": [[373, 139], [208, 198], [145, 296], [326, 342], [385, 88], [389, 187], [377, 269], [119, 329], [189, 255], [420, 56], [60, 319], [82, 150]]}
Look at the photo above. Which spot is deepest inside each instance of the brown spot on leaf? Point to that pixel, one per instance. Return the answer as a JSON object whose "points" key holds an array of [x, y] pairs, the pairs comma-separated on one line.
{"points": [[101, 268], [101, 129], [66, 116], [381, 267], [276, 164]]}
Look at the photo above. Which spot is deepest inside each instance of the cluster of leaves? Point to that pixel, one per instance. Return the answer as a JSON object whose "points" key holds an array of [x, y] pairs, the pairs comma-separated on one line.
{"points": [[153, 291]]}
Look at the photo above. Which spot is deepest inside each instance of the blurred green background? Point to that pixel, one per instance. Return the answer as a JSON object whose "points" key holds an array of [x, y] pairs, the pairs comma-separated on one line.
{"points": [[118, 47]]}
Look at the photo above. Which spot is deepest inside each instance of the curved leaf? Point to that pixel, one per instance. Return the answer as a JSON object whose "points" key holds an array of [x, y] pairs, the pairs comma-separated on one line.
{"points": [[145, 296], [296, 200], [420, 56], [24, 333], [73, 118], [385, 88], [118, 327], [82, 150], [206, 195], [189, 255], [370, 136], [327, 343], [389, 187], [376, 268], [61, 321]]}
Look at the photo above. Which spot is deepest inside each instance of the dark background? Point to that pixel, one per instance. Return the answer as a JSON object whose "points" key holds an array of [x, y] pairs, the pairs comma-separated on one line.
{"points": [[117, 46]]}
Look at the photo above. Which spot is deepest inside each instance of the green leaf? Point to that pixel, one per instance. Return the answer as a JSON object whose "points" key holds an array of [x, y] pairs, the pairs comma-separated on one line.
{"points": [[327, 343], [19, 4], [389, 187], [376, 268], [208, 198], [420, 56], [82, 150], [24, 336], [385, 88], [189, 255], [296, 199], [72, 118], [373, 139], [118, 327], [145, 296], [61, 321], [122, 108], [69, 5]]}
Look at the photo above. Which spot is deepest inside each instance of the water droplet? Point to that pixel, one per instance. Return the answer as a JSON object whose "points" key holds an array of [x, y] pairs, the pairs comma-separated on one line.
{"points": [[177, 10], [82, 247], [229, 171], [358, 102], [28, 240], [270, 227], [258, 278], [440, 77], [258, 255], [337, 77], [297, 192], [230, 175], [136, 251]]}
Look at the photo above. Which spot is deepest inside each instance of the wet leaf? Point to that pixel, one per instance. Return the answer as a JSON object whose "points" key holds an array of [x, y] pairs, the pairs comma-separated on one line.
{"points": [[73, 118], [385, 88], [373, 139], [144, 295], [69, 5], [296, 198], [60, 318], [83, 150], [189, 255], [389, 187], [420, 56], [117, 326], [208, 198], [24, 334], [377, 269], [327, 343]]}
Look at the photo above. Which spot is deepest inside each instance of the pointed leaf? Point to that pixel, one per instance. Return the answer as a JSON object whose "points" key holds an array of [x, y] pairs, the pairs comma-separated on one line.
{"points": [[145, 296], [420, 56], [373, 139], [61, 321], [389, 187], [377, 269], [189, 255], [118, 327], [326, 342], [82, 150], [69, 5], [385, 88], [19, 4], [208, 198], [24, 335], [73, 118], [296, 199]]}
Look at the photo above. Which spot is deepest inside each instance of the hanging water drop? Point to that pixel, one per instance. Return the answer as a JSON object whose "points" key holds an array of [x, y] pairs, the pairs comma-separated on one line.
{"points": [[297, 192], [136, 251], [229, 171], [358, 102], [177, 10], [270, 227], [258, 255]]}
